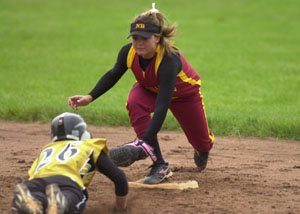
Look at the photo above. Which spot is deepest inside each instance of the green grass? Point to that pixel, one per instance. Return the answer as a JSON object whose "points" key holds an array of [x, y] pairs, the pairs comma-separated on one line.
{"points": [[247, 53]]}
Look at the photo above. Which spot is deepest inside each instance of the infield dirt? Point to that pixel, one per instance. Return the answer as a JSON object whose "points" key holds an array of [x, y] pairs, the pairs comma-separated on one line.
{"points": [[244, 175]]}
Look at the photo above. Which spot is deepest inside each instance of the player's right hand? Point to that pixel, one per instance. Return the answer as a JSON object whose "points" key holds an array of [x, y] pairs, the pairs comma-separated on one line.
{"points": [[79, 100]]}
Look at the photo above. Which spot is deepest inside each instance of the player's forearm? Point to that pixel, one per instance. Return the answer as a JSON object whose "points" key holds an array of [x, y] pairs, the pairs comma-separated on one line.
{"points": [[103, 85], [111, 77]]}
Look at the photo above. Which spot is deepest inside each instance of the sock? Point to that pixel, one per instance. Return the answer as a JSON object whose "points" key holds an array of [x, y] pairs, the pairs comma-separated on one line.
{"points": [[157, 151]]}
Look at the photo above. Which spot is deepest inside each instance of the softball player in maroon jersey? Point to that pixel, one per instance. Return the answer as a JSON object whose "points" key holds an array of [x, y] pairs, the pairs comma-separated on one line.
{"points": [[165, 80]]}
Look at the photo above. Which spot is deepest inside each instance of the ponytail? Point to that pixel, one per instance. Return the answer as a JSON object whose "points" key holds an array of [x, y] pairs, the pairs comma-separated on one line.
{"points": [[167, 33]]}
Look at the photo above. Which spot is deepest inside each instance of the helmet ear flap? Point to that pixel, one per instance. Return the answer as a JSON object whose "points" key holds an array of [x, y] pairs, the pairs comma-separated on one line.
{"points": [[86, 135], [60, 127]]}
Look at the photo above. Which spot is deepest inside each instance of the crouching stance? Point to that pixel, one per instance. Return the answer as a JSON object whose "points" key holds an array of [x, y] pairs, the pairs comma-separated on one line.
{"points": [[164, 81], [58, 178]]}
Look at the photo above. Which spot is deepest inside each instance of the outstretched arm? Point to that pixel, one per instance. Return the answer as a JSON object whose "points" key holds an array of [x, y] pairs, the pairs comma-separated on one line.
{"points": [[108, 168], [107, 81], [112, 77]]}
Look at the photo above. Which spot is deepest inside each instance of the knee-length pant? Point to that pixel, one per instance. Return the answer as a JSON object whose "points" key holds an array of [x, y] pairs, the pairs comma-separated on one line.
{"points": [[189, 112]]}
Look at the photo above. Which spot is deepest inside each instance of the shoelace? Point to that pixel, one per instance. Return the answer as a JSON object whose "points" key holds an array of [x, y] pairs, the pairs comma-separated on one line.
{"points": [[155, 166]]}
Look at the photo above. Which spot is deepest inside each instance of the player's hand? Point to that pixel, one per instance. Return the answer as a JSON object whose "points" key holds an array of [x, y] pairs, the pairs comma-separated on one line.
{"points": [[79, 100], [125, 210], [121, 204]]}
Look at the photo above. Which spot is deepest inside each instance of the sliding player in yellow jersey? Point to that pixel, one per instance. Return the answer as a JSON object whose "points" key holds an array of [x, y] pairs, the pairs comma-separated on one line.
{"points": [[59, 177]]}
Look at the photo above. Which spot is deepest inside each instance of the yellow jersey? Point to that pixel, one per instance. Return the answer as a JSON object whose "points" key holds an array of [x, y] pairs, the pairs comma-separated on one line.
{"points": [[74, 159]]}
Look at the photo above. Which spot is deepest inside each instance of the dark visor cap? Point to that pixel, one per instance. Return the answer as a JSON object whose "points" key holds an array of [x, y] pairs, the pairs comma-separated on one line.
{"points": [[144, 30]]}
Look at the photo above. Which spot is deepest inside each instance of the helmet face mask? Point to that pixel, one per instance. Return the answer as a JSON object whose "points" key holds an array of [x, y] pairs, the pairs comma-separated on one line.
{"points": [[69, 126]]}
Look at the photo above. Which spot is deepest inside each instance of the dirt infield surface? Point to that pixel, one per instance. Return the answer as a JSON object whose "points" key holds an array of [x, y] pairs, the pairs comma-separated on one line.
{"points": [[244, 175]]}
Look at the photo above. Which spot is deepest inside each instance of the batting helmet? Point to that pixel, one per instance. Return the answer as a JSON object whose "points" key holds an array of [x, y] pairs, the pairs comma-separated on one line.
{"points": [[69, 126]]}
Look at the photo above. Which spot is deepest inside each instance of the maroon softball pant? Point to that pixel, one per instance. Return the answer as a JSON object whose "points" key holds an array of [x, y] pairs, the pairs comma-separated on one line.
{"points": [[188, 111]]}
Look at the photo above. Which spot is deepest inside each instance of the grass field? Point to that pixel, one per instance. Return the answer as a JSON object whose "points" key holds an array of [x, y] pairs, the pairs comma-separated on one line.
{"points": [[246, 51]]}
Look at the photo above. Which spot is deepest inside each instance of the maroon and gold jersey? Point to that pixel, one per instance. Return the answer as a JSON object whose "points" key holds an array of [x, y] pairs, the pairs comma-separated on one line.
{"points": [[187, 81]]}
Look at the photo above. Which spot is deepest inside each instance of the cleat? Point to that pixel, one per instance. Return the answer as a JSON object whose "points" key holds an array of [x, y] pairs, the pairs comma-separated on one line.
{"points": [[24, 202], [57, 202], [158, 173], [200, 159], [127, 154]]}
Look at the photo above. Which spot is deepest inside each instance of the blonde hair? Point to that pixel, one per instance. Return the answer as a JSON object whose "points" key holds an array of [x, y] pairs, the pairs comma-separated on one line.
{"points": [[167, 32]]}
